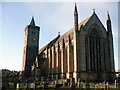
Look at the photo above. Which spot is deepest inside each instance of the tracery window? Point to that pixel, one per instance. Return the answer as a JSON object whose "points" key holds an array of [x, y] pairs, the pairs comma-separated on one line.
{"points": [[93, 55]]}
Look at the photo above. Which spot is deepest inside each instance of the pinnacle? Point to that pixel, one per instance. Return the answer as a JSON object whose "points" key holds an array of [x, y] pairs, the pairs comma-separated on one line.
{"points": [[32, 22], [108, 16], [75, 9]]}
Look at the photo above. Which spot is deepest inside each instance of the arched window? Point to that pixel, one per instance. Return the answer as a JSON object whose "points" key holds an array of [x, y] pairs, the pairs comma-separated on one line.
{"points": [[93, 61]]}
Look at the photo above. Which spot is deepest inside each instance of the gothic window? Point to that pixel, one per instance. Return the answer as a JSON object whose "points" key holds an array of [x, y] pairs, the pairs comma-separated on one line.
{"points": [[93, 62]]}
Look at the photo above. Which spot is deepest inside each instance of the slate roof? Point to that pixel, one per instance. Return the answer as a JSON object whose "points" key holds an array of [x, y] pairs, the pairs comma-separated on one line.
{"points": [[49, 44], [58, 38]]}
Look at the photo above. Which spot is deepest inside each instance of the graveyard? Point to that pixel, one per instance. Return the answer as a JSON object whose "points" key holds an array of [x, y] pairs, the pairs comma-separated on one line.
{"points": [[62, 84], [16, 82]]}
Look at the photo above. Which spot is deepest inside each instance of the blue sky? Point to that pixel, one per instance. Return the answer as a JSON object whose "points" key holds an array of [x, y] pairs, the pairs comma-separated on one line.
{"points": [[52, 17]]}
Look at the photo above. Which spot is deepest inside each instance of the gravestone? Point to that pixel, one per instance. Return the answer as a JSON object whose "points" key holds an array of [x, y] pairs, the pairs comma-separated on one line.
{"points": [[115, 84], [32, 85], [28, 85], [106, 85], [87, 83], [72, 82], [56, 81], [96, 86], [45, 85], [64, 83], [18, 86], [42, 79], [68, 82], [78, 83]]}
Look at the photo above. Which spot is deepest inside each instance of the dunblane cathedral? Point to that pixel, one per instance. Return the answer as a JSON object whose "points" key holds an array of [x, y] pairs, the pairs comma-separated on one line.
{"points": [[85, 51]]}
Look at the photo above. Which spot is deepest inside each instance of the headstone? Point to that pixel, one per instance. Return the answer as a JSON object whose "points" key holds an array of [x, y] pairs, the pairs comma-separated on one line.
{"points": [[78, 84], [68, 82], [18, 86], [42, 79], [64, 83], [28, 85], [106, 86], [72, 82], [87, 83], [45, 85], [96, 86], [56, 81], [32, 85], [101, 85], [115, 84]]}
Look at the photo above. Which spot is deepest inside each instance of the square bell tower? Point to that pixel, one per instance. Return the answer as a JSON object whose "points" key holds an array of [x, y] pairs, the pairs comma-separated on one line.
{"points": [[31, 47]]}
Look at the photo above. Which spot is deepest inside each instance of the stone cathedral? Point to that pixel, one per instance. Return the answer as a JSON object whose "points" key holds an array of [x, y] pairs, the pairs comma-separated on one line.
{"points": [[85, 51]]}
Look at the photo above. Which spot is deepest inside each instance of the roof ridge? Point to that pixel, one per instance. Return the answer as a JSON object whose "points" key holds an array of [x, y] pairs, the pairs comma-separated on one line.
{"points": [[85, 20], [59, 37], [47, 45]]}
